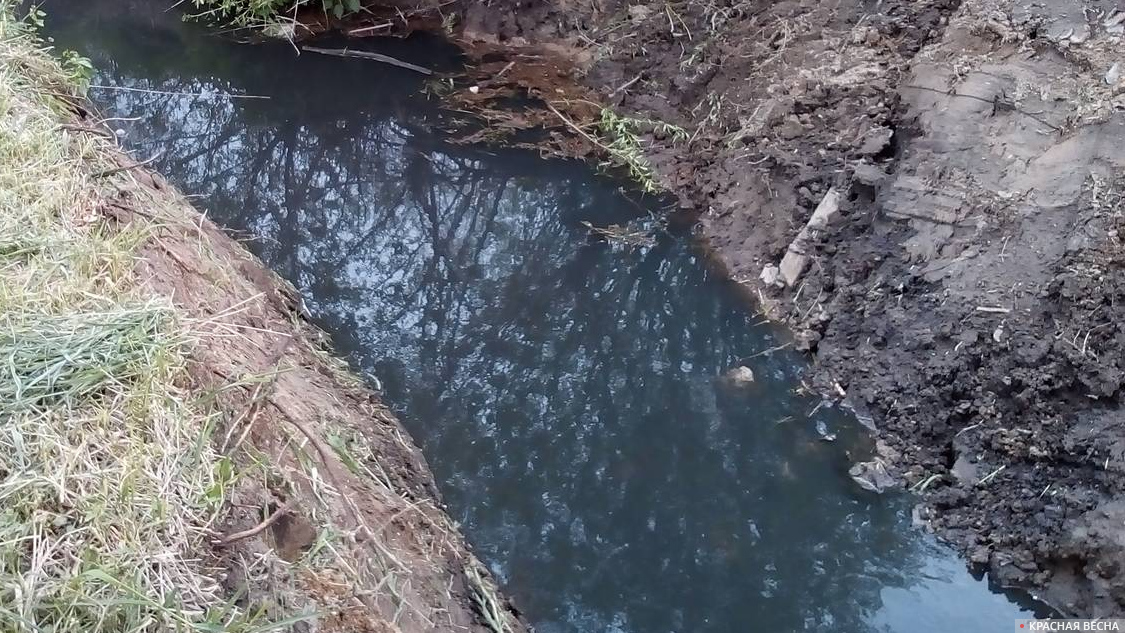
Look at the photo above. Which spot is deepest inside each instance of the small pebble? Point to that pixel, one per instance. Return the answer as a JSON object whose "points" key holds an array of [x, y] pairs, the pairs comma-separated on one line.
{"points": [[1113, 74]]}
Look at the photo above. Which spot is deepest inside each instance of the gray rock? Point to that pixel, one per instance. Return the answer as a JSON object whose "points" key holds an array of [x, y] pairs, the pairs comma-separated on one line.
{"points": [[806, 340], [876, 140], [739, 377], [965, 471], [1113, 75], [795, 261], [793, 266], [770, 275], [872, 476], [870, 175]]}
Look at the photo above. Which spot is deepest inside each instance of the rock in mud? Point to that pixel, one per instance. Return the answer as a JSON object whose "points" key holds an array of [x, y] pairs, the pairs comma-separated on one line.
{"points": [[1113, 75], [740, 377], [771, 275], [872, 476], [876, 141], [870, 175], [796, 258], [806, 340]]}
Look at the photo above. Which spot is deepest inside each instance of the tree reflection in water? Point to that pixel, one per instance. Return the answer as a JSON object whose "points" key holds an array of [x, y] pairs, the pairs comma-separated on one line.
{"points": [[564, 390]]}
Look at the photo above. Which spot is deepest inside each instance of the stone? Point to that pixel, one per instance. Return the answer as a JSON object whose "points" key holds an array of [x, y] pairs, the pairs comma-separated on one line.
{"points": [[980, 556], [791, 128], [639, 13], [876, 140], [770, 275], [806, 340], [764, 116], [739, 377], [872, 476], [795, 261], [965, 471], [826, 211], [870, 175], [792, 266], [1113, 75]]}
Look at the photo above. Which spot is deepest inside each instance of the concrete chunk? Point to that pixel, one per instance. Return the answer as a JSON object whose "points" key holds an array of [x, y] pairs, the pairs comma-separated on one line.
{"points": [[796, 260]]}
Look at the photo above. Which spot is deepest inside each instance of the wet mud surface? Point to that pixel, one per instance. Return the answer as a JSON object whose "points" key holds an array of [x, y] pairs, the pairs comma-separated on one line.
{"points": [[965, 293]]}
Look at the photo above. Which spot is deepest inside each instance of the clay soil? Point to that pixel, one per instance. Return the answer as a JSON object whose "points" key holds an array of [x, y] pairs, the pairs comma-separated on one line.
{"points": [[967, 299]]}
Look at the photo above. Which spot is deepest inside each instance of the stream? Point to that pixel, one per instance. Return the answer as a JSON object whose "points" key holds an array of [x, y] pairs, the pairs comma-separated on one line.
{"points": [[565, 390]]}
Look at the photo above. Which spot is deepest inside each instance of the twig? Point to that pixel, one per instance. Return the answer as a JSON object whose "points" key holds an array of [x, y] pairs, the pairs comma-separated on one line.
{"points": [[90, 130], [368, 29], [996, 102], [121, 168], [922, 485], [991, 309], [992, 475], [816, 408], [261, 392], [626, 85], [378, 57], [766, 351], [323, 453], [261, 527], [575, 127]]}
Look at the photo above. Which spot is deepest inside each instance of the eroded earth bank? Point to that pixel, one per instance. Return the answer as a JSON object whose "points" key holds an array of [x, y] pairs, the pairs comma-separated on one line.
{"points": [[961, 286], [179, 449]]}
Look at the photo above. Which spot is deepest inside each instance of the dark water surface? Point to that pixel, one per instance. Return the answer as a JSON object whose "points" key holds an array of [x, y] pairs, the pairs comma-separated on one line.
{"points": [[564, 390]]}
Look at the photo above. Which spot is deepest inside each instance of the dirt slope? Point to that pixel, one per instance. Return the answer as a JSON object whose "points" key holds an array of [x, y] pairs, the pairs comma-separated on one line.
{"points": [[965, 295], [332, 508]]}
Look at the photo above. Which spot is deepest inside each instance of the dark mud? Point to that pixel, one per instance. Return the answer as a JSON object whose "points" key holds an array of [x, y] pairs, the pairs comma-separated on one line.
{"points": [[967, 293]]}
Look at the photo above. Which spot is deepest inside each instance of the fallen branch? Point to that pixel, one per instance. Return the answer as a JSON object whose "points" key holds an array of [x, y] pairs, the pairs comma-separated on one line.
{"points": [[378, 57], [116, 170], [572, 125], [261, 527]]}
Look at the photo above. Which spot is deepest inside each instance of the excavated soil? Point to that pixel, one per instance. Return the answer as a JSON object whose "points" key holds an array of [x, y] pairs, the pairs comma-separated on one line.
{"points": [[332, 509], [967, 295]]}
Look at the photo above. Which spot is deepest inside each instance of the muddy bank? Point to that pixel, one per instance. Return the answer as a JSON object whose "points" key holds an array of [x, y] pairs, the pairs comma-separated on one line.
{"points": [[961, 287], [330, 514], [347, 521]]}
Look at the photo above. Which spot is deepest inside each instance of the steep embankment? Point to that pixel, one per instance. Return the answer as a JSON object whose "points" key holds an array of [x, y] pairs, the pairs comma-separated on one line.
{"points": [[178, 449], [962, 283]]}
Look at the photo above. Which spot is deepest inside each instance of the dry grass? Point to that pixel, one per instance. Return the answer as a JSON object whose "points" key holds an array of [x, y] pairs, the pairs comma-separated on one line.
{"points": [[108, 482]]}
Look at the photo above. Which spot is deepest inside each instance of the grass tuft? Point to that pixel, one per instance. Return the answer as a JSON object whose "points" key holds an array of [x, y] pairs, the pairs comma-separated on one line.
{"points": [[274, 16], [621, 138], [52, 361]]}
